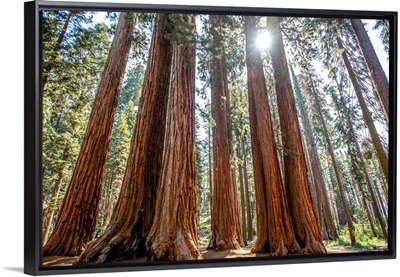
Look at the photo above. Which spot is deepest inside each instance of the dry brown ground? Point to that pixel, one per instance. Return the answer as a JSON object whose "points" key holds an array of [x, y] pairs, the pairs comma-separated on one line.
{"points": [[207, 254]]}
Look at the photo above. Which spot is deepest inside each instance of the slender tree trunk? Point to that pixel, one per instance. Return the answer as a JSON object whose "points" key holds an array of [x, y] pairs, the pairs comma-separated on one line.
{"points": [[173, 235], [49, 68], [225, 225], [380, 152], [210, 167], [364, 169], [380, 200], [364, 201], [54, 195], [300, 201], [379, 78], [334, 163], [77, 217], [246, 188], [241, 187], [325, 214], [132, 218], [275, 233]]}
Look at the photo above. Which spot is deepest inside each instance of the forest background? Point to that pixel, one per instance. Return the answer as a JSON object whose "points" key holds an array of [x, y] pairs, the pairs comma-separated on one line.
{"points": [[11, 141]]}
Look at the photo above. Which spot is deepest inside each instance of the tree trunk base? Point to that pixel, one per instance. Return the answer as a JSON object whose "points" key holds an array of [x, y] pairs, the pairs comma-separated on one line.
{"points": [[180, 248]]}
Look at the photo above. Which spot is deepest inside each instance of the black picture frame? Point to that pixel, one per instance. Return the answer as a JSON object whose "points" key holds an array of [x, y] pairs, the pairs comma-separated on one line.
{"points": [[33, 132]]}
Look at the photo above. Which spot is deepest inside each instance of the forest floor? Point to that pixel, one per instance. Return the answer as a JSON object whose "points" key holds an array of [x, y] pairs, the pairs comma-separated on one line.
{"points": [[206, 253]]}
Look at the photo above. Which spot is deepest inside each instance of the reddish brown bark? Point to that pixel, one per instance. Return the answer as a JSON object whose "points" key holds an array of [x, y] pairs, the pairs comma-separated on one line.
{"points": [[242, 194], [133, 214], [380, 152], [225, 225], [275, 233], [247, 194], [77, 217], [298, 188], [379, 78], [325, 217], [173, 235]]}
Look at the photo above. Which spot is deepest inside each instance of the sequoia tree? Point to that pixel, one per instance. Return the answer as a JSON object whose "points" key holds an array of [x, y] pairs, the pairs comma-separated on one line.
{"points": [[225, 225], [275, 233], [380, 152], [296, 180], [173, 235], [325, 217], [133, 214], [77, 217], [379, 78]]}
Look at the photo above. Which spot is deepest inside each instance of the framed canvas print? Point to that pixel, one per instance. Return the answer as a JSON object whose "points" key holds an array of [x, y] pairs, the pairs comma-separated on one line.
{"points": [[171, 136]]}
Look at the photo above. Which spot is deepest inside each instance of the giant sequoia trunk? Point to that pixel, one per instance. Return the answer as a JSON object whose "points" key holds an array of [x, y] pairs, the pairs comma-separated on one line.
{"points": [[173, 235], [275, 233], [296, 181], [130, 223], [380, 152], [225, 225], [322, 200], [77, 217], [335, 168], [379, 78]]}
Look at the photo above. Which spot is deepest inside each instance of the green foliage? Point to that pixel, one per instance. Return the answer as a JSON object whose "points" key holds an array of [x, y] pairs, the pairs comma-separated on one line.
{"points": [[73, 59]]}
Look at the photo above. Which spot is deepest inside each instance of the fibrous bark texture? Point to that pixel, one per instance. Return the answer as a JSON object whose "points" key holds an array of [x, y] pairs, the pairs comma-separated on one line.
{"points": [[296, 181], [225, 225], [77, 217], [275, 233], [173, 235], [325, 218], [130, 223]]}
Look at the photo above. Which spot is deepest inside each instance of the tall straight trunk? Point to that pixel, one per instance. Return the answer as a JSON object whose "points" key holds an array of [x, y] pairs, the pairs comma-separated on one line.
{"points": [[173, 235], [130, 223], [77, 217], [382, 180], [225, 225], [54, 195], [341, 216], [242, 194], [275, 233], [379, 78], [334, 163], [247, 194], [380, 200], [364, 169], [363, 197], [210, 167], [49, 68], [297, 184], [380, 152], [325, 214]]}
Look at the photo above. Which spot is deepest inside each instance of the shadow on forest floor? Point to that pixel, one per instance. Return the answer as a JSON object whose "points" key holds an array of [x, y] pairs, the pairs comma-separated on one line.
{"points": [[206, 253]]}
